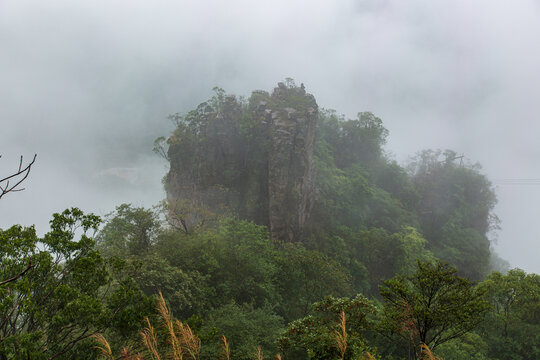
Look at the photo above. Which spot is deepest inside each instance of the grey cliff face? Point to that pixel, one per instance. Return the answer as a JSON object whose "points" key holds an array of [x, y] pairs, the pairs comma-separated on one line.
{"points": [[252, 160], [290, 163]]}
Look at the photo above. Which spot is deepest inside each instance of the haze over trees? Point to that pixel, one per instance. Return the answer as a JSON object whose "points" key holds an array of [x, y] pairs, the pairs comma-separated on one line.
{"points": [[277, 160], [286, 228]]}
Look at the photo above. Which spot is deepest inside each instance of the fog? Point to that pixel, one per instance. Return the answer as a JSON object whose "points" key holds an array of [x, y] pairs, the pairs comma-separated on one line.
{"points": [[88, 86]]}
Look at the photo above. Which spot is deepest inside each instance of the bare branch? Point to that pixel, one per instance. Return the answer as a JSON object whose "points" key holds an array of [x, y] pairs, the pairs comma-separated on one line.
{"points": [[19, 177]]}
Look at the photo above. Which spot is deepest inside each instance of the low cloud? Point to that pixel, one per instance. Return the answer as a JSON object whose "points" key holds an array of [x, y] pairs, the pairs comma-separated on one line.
{"points": [[89, 85]]}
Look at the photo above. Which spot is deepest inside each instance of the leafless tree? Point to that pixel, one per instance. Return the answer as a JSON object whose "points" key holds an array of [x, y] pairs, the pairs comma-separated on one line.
{"points": [[11, 182]]}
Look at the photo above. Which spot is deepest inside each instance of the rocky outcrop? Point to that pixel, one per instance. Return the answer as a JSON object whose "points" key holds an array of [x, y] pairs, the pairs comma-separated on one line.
{"points": [[252, 159], [293, 120]]}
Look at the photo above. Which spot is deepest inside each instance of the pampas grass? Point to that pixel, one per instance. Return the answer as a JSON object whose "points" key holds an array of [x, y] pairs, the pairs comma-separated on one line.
{"points": [[259, 353], [340, 335], [181, 343], [225, 347], [426, 354], [103, 346], [148, 337]]}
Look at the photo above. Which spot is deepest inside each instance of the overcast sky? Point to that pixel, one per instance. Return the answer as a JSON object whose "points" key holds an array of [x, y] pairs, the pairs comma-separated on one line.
{"points": [[88, 85]]}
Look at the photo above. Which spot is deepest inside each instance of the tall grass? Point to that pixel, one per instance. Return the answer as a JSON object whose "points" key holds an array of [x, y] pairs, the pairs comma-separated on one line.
{"points": [[103, 346], [426, 354], [149, 341], [226, 348], [259, 353], [180, 342], [340, 335]]}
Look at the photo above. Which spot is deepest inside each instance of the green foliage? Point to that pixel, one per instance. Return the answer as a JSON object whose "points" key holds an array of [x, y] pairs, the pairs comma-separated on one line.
{"points": [[304, 277], [236, 260], [236, 263], [432, 306], [186, 291], [357, 186], [245, 327], [358, 141], [386, 254], [128, 231], [368, 222], [65, 297], [414, 250], [394, 179], [314, 336], [343, 195], [454, 209], [241, 265], [470, 346], [386, 211], [219, 148], [231, 279], [512, 327], [457, 241], [361, 141], [374, 255]]}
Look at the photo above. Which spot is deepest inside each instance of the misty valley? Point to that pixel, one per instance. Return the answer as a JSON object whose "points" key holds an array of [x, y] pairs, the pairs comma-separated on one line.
{"points": [[287, 232]]}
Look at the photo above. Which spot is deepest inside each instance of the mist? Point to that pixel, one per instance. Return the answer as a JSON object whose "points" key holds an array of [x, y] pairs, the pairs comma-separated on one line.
{"points": [[88, 86]]}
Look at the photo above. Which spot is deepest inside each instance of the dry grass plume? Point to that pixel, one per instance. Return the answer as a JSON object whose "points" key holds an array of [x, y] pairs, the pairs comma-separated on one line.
{"points": [[340, 335], [103, 346], [225, 347], [259, 353], [426, 354]]}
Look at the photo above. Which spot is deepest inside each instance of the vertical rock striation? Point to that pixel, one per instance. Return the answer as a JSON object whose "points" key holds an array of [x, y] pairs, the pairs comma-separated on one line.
{"points": [[254, 160], [293, 120]]}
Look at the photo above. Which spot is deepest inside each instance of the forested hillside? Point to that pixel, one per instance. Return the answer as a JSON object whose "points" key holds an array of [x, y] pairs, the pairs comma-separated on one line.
{"points": [[313, 177], [287, 229]]}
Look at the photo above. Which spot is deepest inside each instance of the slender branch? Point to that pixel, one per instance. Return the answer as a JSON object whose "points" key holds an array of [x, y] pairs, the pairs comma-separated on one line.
{"points": [[30, 266], [72, 343], [21, 171]]}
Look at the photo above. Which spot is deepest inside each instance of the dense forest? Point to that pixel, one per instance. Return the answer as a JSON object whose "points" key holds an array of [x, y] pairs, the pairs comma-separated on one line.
{"points": [[288, 232]]}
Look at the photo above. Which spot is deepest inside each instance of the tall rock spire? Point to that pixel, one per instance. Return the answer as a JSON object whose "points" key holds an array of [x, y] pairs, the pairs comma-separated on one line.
{"points": [[253, 160], [293, 120]]}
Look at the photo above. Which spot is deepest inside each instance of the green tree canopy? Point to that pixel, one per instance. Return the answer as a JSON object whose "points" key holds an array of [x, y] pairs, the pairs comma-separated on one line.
{"points": [[455, 210], [66, 296], [316, 336], [512, 327], [129, 230], [245, 327], [432, 306]]}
